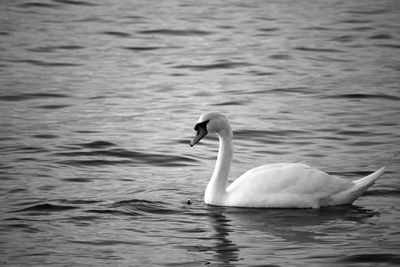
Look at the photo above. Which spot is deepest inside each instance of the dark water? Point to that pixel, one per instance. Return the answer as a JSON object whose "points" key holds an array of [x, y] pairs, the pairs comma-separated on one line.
{"points": [[98, 100]]}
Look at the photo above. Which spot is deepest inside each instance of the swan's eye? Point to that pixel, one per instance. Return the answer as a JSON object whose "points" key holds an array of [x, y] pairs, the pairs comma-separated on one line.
{"points": [[202, 125]]}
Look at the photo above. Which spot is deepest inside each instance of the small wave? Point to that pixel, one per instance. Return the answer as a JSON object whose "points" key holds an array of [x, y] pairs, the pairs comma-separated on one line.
{"points": [[271, 137], [395, 46], [381, 37], [47, 207], [86, 131], [230, 103], [220, 65], [264, 133], [260, 73], [23, 227], [280, 56], [74, 2], [381, 258], [112, 211], [30, 149], [176, 32], [317, 28], [41, 63], [383, 192], [80, 201], [116, 33], [49, 49], [314, 155], [142, 48], [104, 242], [344, 38], [322, 50], [133, 157], [268, 29], [17, 190], [356, 133], [78, 180], [135, 17], [367, 12], [360, 29], [361, 96], [22, 97], [356, 21], [93, 162], [97, 144], [134, 207], [45, 136], [144, 206], [52, 106], [299, 89], [37, 4], [365, 143]]}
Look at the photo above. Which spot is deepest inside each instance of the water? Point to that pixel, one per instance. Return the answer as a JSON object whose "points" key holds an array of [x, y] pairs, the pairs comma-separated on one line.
{"points": [[99, 99]]}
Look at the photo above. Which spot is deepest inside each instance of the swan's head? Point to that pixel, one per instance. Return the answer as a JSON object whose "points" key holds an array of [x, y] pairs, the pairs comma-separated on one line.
{"points": [[212, 122]]}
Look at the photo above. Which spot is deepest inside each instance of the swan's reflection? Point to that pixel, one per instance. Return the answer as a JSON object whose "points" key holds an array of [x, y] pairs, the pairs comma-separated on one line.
{"points": [[294, 226], [226, 251]]}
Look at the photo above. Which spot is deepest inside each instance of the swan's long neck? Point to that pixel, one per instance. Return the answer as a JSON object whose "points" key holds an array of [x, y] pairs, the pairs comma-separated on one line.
{"points": [[216, 188]]}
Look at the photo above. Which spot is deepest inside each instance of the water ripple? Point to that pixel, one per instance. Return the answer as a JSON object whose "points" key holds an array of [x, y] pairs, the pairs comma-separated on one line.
{"points": [[142, 48], [212, 66], [368, 12], [28, 96], [381, 37], [268, 29], [382, 258], [97, 156], [383, 192], [51, 48], [53, 106], [37, 4], [135, 207], [98, 96], [314, 49], [47, 207], [42, 63], [78, 180], [116, 33], [172, 32], [74, 2], [144, 207], [230, 103], [262, 133], [362, 96], [97, 144], [394, 46]]}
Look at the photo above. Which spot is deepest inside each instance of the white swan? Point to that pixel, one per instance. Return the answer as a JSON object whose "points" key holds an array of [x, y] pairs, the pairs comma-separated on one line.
{"points": [[283, 185]]}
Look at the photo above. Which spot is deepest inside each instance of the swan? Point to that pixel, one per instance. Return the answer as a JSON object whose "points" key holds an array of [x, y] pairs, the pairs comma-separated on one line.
{"points": [[281, 185]]}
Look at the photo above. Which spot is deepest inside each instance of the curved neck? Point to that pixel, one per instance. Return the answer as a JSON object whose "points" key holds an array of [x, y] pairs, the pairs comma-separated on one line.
{"points": [[216, 188]]}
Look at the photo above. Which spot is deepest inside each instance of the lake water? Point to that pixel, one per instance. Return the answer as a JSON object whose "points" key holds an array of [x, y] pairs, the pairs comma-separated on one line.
{"points": [[98, 101]]}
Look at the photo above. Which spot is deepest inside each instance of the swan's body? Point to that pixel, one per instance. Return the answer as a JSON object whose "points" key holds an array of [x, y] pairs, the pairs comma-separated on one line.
{"points": [[282, 185]]}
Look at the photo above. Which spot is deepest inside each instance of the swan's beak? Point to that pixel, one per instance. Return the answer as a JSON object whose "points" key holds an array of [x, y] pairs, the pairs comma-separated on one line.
{"points": [[201, 132]]}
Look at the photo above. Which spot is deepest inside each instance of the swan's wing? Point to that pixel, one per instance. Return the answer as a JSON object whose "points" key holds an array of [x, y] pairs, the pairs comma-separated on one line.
{"points": [[287, 180]]}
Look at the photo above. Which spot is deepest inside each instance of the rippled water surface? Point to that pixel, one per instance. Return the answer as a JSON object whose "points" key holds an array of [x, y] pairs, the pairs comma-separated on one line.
{"points": [[98, 100]]}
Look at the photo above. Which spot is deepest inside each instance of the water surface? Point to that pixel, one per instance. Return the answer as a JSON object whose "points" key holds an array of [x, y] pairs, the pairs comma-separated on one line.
{"points": [[98, 100]]}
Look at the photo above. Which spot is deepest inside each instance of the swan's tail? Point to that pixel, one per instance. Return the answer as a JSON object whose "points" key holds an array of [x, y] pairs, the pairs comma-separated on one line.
{"points": [[360, 186], [369, 180]]}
